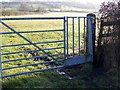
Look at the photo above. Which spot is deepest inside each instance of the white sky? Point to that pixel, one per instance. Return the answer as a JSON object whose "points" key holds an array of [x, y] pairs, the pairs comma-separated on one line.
{"points": [[82, 1]]}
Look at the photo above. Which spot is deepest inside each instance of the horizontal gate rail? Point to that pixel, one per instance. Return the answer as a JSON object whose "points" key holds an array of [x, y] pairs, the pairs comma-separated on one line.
{"points": [[46, 62], [33, 18], [55, 41], [35, 31], [19, 59], [76, 17], [33, 71], [32, 50]]}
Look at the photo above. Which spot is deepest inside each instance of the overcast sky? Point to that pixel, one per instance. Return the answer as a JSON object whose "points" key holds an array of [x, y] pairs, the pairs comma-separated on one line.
{"points": [[81, 1]]}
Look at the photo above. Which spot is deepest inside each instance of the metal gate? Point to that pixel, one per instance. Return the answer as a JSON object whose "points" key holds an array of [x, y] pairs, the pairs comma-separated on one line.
{"points": [[74, 44]]}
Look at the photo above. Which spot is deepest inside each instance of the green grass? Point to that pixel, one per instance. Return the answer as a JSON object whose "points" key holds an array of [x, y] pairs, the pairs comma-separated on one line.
{"points": [[84, 76]]}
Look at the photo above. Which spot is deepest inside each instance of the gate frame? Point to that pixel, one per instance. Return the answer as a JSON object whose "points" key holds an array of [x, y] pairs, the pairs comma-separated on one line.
{"points": [[75, 60]]}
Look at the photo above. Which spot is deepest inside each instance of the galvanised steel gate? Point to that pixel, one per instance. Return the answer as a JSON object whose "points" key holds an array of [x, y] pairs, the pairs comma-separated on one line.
{"points": [[75, 45]]}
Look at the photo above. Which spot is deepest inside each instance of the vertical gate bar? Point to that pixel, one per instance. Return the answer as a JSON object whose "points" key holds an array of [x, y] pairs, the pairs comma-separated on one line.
{"points": [[67, 36], [73, 35], [64, 40], [79, 36], [84, 36]]}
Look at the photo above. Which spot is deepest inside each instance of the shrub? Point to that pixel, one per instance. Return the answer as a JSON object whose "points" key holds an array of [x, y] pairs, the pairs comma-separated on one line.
{"points": [[109, 44]]}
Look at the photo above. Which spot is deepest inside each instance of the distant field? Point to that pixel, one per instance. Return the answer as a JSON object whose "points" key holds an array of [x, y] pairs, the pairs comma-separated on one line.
{"points": [[53, 14]]}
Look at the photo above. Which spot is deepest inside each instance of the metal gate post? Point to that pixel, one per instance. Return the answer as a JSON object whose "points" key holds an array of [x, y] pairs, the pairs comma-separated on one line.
{"points": [[91, 22]]}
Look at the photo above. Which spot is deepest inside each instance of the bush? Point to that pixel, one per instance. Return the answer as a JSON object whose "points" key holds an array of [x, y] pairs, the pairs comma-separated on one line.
{"points": [[109, 44], [9, 12]]}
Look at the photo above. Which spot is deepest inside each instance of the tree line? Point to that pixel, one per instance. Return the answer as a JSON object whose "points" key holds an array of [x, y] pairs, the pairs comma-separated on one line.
{"points": [[22, 8]]}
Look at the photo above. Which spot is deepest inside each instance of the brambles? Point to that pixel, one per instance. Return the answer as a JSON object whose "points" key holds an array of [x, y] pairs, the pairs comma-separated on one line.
{"points": [[110, 35]]}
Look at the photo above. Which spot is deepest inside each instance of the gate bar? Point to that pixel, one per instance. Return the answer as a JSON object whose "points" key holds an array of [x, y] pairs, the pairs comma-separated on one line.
{"points": [[79, 36], [67, 37], [40, 70], [55, 41], [73, 35], [31, 64], [65, 44], [60, 47], [4, 61], [34, 18], [35, 31], [84, 36]]}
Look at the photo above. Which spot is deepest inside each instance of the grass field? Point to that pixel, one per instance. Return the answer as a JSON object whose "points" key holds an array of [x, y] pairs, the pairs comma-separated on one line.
{"points": [[47, 79]]}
